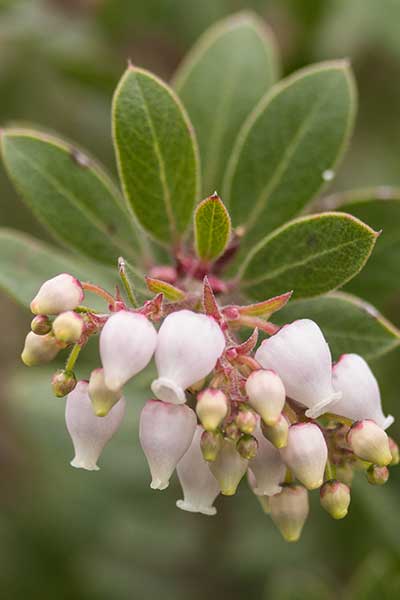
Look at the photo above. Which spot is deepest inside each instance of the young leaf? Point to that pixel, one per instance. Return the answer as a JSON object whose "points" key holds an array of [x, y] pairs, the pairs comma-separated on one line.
{"points": [[220, 81], [70, 194], [349, 324], [212, 228], [169, 291], [288, 147], [311, 255], [156, 154], [266, 308]]}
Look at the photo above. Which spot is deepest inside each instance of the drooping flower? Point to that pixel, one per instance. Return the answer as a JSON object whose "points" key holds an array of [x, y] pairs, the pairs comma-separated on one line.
{"points": [[57, 295], [103, 399], [361, 397], [166, 432], [199, 486], [299, 354], [89, 433], [335, 498], [266, 394], [188, 347], [263, 500], [306, 454], [127, 343], [267, 466], [369, 442], [68, 327], [228, 468], [211, 408], [289, 511], [277, 434], [39, 349]]}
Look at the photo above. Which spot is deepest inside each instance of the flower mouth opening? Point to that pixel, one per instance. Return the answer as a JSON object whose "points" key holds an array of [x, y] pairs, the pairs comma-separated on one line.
{"points": [[189, 507], [168, 391]]}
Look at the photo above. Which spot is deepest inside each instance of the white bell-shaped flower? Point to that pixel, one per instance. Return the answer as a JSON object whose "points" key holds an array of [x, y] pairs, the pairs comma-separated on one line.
{"points": [[289, 511], [199, 486], [127, 343], [266, 394], [299, 354], [89, 433], [306, 454], [188, 346], [228, 468], [57, 295], [166, 432], [267, 466], [361, 396]]}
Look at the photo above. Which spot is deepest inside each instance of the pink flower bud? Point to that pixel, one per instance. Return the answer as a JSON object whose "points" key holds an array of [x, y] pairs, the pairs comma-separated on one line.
{"points": [[228, 468], [268, 467], [210, 444], [166, 432], [68, 327], [369, 442], [39, 349], [306, 454], [188, 346], [127, 343], [263, 500], [289, 511], [89, 433], [101, 397], [266, 394], [377, 475], [335, 498], [394, 450], [247, 446], [211, 408], [57, 295], [199, 486], [277, 434], [361, 396], [246, 420], [41, 324], [63, 382], [299, 354]]}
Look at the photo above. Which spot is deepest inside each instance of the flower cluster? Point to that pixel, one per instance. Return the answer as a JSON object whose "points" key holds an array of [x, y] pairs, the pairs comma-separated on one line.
{"points": [[221, 407]]}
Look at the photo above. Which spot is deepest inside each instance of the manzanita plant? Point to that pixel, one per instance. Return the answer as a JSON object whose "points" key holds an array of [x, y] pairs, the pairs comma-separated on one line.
{"points": [[245, 382]]}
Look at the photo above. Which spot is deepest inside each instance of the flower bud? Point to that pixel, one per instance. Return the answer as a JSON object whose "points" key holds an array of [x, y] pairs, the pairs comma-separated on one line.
{"points": [[394, 451], [246, 420], [277, 434], [41, 325], [263, 500], [211, 408], [68, 327], [369, 442], [377, 475], [335, 498], [89, 433], [199, 486], [361, 397], [63, 382], [247, 446], [299, 354], [39, 349], [101, 397], [210, 444], [229, 468], [127, 343], [266, 394], [232, 431], [188, 346], [57, 295], [166, 432], [306, 454], [289, 511], [268, 467]]}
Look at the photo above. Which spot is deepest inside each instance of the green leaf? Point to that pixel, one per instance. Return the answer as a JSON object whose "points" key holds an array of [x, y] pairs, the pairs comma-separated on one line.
{"points": [[169, 291], [70, 194], [310, 255], [220, 81], [212, 226], [288, 147], [349, 324], [156, 154]]}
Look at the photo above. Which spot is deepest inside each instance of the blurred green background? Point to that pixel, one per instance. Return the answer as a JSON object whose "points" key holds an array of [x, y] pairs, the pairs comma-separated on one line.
{"points": [[67, 534]]}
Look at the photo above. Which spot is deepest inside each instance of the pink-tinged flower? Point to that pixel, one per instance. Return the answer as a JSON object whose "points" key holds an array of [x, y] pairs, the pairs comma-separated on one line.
{"points": [[199, 486], [188, 346], [57, 295], [89, 433], [211, 408], [361, 396], [369, 442], [166, 432], [102, 398], [306, 454], [228, 468], [335, 498], [268, 467], [299, 354], [127, 343], [266, 394], [289, 511], [68, 327], [39, 349]]}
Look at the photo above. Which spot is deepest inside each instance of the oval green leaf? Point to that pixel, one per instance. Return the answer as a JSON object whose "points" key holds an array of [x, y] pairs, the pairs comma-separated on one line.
{"points": [[227, 72], [310, 255], [212, 226], [156, 154]]}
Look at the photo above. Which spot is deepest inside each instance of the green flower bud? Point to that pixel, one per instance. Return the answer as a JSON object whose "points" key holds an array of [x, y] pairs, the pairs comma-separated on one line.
{"points": [[246, 420], [277, 434], [63, 382], [41, 325], [377, 475], [39, 349], [210, 444], [211, 408], [68, 327], [247, 446], [335, 498]]}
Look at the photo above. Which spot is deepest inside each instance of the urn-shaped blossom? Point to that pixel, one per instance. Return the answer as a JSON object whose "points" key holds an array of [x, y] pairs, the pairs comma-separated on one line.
{"points": [[89, 433], [39, 349], [211, 408], [228, 468], [361, 398], [267, 467], [277, 434], [335, 498], [369, 442], [266, 394], [299, 354], [188, 346], [127, 343], [306, 454], [166, 432], [68, 327], [102, 398], [289, 511], [199, 486], [57, 295]]}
